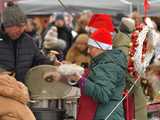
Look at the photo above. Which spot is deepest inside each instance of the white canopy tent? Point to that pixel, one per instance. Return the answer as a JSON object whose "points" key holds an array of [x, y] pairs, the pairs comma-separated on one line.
{"points": [[41, 7], [154, 9], [49, 6]]}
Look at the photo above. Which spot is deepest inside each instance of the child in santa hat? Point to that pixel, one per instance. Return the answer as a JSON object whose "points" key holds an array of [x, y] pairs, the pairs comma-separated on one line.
{"points": [[106, 81]]}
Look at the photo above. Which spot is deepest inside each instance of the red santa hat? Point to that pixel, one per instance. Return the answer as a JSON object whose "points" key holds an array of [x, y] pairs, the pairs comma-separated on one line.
{"points": [[99, 21], [101, 39]]}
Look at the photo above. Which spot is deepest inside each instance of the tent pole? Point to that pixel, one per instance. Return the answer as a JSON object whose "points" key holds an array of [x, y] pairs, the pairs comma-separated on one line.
{"points": [[138, 8], [131, 8]]}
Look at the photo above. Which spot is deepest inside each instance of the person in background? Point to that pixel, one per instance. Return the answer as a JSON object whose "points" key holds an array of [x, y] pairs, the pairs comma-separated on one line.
{"points": [[54, 45], [117, 19], [122, 39], [40, 30], [18, 50], [87, 14], [63, 32], [81, 24], [77, 54], [30, 29], [68, 20], [38, 25], [136, 16], [82, 21]]}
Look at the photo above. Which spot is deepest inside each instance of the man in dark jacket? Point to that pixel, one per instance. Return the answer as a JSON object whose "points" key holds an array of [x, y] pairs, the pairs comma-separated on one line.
{"points": [[64, 33], [18, 52]]}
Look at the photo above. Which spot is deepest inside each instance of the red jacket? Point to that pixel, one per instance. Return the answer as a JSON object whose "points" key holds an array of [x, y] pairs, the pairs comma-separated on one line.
{"points": [[87, 106]]}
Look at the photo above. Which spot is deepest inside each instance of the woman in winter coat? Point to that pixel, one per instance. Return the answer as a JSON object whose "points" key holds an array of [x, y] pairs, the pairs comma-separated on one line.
{"points": [[102, 88], [78, 52], [13, 99]]}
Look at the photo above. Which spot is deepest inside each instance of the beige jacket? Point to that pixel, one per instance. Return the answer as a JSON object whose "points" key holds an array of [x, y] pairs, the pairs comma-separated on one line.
{"points": [[13, 99]]}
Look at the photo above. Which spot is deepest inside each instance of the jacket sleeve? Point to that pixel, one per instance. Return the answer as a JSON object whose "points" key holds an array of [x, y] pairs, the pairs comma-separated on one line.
{"points": [[9, 87], [105, 80]]}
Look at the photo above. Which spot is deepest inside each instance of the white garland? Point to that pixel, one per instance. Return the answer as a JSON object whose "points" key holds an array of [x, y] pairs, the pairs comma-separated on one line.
{"points": [[140, 66]]}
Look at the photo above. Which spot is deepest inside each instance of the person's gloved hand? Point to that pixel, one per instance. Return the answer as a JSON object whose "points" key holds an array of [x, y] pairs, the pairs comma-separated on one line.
{"points": [[11, 88], [75, 77]]}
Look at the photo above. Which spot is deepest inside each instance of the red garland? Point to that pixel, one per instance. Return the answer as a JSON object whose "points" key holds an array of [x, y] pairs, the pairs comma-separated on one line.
{"points": [[129, 101], [133, 46]]}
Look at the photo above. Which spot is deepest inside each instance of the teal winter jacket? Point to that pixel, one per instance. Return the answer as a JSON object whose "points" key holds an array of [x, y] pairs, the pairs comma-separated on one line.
{"points": [[106, 82]]}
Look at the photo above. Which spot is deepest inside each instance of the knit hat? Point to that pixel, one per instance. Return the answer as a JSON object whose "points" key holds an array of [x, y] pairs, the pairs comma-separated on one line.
{"points": [[59, 17], [101, 39], [52, 41], [13, 15], [99, 21]]}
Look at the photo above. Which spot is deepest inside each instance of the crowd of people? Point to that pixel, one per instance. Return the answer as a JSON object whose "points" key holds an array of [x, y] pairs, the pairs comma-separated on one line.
{"points": [[94, 41]]}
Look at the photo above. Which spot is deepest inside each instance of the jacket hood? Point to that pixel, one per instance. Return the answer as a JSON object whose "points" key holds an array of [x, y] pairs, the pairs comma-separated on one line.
{"points": [[112, 56]]}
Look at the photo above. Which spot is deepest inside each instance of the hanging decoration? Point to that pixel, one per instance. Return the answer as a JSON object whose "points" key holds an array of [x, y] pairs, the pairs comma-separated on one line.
{"points": [[143, 57], [146, 7], [133, 46]]}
